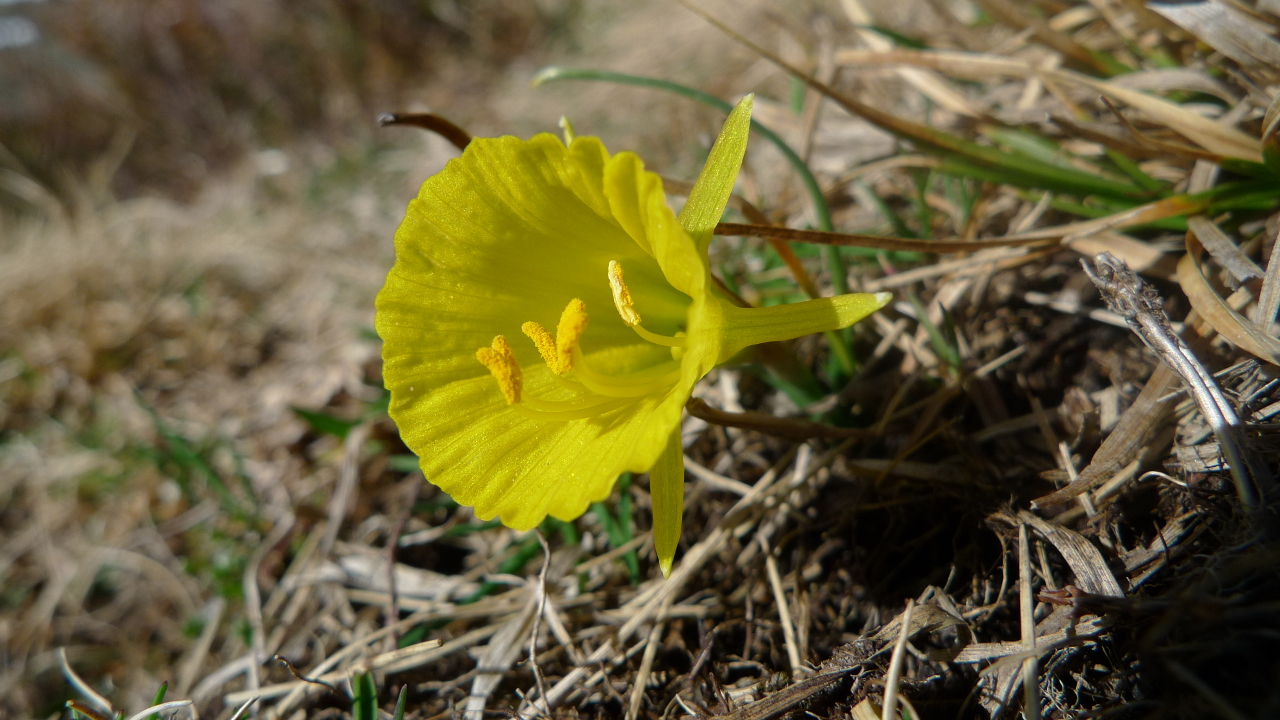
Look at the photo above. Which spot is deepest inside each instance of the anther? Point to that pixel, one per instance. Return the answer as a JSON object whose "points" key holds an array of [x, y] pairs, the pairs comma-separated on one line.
{"points": [[622, 296], [558, 352], [545, 343], [504, 367], [573, 322]]}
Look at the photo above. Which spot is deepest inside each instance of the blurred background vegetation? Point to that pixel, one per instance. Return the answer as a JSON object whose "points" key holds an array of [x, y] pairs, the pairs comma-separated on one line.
{"points": [[190, 86]]}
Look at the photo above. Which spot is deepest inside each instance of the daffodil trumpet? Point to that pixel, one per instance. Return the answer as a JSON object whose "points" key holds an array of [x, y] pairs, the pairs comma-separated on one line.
{"points": [[518, 236]]}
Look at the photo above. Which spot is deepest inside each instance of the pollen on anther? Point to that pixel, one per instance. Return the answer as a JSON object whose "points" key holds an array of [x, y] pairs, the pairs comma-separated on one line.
{"points": [[545, 343], [622, 296], [504, 367], [573, 322]]}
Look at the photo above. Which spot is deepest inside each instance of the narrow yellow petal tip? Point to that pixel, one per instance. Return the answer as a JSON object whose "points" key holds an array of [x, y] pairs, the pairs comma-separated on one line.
{"points": [[502, 364], [622, 296], [666, 495], [573, 322], [884, 298]]}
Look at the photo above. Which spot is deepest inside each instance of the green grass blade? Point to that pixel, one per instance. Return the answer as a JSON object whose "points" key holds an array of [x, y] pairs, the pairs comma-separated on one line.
{"points": [[1053, 179], [364, 697], [164, 689], [401, 703], [1127, 166]]}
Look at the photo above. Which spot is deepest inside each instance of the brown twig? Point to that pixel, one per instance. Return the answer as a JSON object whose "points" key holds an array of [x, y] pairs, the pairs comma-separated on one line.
{"points": [[299, 676], [789, 428], [429, 121], [875, 242]]}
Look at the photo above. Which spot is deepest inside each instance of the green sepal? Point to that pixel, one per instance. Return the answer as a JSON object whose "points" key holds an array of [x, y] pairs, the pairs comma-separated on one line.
{"points": [[711, 192]]}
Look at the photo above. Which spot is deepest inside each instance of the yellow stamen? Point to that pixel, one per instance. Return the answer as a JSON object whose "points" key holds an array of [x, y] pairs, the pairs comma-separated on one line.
{"points": [[627, 309], [504, 367], [573, 322], [622, 296], [644, 382], [656, 339], [546, 344], [558, 352]]}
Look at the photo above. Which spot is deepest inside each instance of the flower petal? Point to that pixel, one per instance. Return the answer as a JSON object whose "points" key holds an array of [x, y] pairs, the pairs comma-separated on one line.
{"points": [[640, 206], [488, 455], [666, 491], [715, 184]]}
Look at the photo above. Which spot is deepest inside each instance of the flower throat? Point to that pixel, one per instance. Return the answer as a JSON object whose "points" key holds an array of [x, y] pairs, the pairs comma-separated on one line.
{"points": [[600, 392]]}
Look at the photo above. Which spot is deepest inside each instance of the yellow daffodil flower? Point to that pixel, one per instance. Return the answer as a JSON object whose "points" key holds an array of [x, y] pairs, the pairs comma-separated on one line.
{"points": [[515, 237]]}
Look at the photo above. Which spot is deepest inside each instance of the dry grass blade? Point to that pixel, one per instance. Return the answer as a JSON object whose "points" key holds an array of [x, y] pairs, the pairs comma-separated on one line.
{"points": [[406, 658], [81, 686], [715, 480], [1087, 564], [929, 84], [1269, 298], [343, 494], [1156, 144], [1229, 32], [240, 711], [498, 657], [784, 614], [162, 707], [253, 598], [1169, 79], [322, 671], [1135, 429], [541, 610], [1068, 233], [1233, 326], [646, 667], [1223, 250], [1199, 129], [967, 65], [890, 710], [984, 652], [1026, 615], [1013, 14]]}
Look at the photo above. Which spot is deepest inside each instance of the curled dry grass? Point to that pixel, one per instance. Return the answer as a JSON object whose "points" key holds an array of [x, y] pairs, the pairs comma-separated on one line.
{"points": [[156, 476]]}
